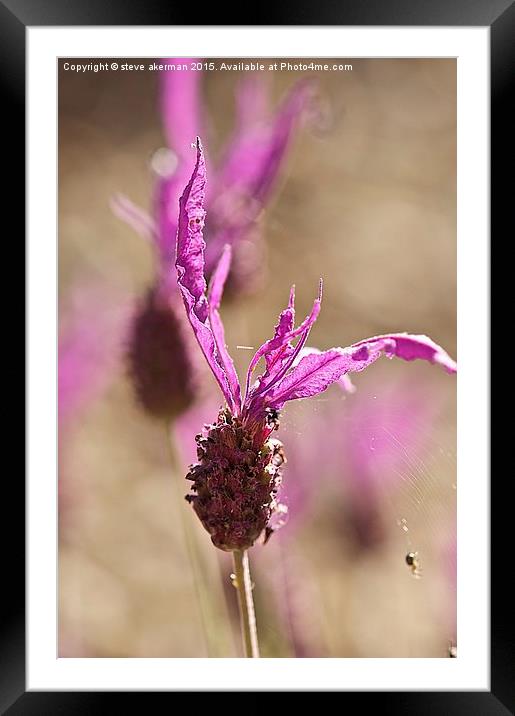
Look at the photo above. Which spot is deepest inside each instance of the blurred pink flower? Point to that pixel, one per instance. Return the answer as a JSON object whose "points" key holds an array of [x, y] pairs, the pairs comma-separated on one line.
{"points": [[90, 345], [362, 452], [380, 437], [244, 179]]}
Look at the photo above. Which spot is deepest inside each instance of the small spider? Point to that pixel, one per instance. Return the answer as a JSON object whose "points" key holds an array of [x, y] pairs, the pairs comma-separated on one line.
{"points": [[413, 563]]}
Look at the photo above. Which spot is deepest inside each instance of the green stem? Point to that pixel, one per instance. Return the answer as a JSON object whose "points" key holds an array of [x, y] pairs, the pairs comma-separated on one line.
{"points": [[243, 586]]}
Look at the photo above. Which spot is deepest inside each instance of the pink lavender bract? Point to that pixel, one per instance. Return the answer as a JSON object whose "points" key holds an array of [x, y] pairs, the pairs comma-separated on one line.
{"points": [[236, 455]]}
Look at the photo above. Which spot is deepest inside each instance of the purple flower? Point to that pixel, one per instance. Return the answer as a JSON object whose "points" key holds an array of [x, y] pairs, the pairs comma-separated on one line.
{"points": [[237, 477]]}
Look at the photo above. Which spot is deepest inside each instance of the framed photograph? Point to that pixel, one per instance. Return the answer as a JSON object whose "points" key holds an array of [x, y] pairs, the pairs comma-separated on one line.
{"points": [[229, 487]]}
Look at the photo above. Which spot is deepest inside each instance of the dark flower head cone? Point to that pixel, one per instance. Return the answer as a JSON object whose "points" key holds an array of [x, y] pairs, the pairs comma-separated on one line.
{"points": [[161, 364], [236, 479], [235, 482]]}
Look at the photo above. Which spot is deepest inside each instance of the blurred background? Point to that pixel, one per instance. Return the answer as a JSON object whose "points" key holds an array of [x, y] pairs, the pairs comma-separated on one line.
{"points": [[364, 195]]}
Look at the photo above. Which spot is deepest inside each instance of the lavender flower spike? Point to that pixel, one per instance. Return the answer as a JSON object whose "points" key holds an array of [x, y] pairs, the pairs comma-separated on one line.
{"points": [[238, 474]]}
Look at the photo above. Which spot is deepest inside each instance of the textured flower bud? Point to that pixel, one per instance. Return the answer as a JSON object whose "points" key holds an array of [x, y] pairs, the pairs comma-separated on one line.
{"points": [[235, 482], [161, 364]]}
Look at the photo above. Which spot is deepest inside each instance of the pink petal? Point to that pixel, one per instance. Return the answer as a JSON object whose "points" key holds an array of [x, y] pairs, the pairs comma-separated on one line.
{"points": [[282, 334], [190, 272], [345, 382], [278, 351], [190, 242], [315, 372], [410, 347], [215, 296], [218, 279]]}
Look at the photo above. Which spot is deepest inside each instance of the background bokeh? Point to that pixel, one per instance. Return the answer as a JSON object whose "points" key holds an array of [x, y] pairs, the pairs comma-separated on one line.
{"points": [[368, 202]]}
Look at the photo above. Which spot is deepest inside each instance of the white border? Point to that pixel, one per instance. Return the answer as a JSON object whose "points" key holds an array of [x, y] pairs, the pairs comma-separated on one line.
{"points": [[471, 669]]}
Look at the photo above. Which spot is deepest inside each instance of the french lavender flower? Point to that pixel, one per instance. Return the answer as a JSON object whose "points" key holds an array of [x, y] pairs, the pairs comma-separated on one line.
{"points": [[164, 372], [238, 474]]}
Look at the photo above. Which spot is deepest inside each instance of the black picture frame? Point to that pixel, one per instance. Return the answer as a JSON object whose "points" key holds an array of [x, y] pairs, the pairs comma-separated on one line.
{"points": [[15, 17]]}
